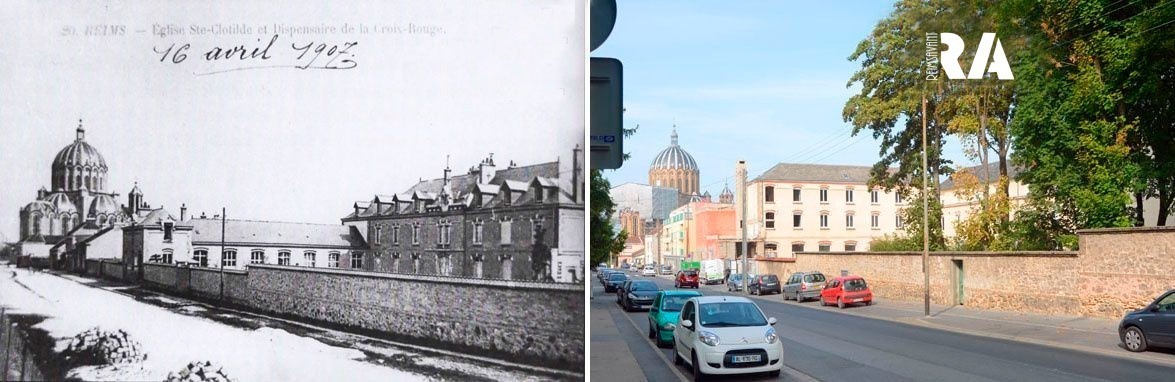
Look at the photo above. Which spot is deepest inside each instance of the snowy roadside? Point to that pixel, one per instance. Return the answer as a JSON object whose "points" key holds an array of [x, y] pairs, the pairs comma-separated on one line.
{"points": [[174, 338]]}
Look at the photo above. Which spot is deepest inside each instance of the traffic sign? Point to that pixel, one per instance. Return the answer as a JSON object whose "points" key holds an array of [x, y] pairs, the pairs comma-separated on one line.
{"points": [[603, 19], [607, 113]]}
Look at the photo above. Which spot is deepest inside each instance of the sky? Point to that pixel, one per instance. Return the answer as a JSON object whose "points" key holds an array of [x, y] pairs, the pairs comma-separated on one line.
{"points": [[432, 79], [761, 81]]}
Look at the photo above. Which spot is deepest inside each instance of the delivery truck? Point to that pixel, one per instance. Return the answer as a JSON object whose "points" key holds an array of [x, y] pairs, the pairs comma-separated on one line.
{"points": [[711, 272]]}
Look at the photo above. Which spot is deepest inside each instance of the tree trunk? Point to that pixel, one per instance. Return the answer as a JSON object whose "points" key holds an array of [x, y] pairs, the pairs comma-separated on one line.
{"points": [[1138, 217], [1164, 204]]}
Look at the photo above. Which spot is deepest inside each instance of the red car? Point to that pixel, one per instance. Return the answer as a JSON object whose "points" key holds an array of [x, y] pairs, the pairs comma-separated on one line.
{"points": [[686, 278], [846, 290]]}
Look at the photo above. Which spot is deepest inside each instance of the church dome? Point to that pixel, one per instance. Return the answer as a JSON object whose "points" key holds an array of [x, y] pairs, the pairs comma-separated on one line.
{"points": [[79, 154], [674, 157], [103, 204], [39, 206], [61, 203]]}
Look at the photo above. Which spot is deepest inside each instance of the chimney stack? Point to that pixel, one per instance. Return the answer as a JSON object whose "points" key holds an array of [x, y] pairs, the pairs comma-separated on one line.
{"points": [[183, 212]]}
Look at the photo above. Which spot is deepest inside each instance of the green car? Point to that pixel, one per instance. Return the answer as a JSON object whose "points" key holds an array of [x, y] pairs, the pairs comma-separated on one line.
{"points": [[664, 313]]}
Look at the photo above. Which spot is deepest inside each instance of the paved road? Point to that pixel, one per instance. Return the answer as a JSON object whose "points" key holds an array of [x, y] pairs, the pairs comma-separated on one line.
{"points": [[831, 346]]}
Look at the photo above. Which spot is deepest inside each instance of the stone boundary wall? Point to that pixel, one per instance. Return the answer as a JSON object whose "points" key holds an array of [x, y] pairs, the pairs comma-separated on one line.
{"points": [[205, 283], [161, 275], [113, 270], [93, 267], [537, 323], [1038, 282], [1123, 269]]}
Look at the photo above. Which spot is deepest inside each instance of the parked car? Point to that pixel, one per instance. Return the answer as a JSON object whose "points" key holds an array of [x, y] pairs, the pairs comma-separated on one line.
{"points": [[726, 335], [764, 284], [802, 286], [639, 294], [666, 269], [736, 283], [686, 278], [846, 290], [649, 271], [603, 275], [613, 281], [1153, 325], [621, 290], [664, 313]]}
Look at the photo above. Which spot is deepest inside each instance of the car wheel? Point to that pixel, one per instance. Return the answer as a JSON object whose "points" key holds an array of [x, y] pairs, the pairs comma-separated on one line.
{"points": [[698, 375], [868, 303], [677, 360], [840, 303], [1134, 339], [774, 373]]}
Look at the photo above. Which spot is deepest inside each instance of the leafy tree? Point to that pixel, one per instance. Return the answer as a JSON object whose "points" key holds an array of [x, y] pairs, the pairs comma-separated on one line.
{"points": [[605, 240]]}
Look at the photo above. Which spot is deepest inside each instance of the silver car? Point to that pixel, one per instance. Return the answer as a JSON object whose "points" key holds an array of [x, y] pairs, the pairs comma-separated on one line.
{"points": [[802, 286]]}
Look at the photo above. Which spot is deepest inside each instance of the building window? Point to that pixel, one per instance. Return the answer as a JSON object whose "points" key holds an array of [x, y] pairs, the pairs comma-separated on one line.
{"points": [[415, 263], [445, 264], [477, 265], [200, 256], [825, 247], [795, 194], [283, 258], [770, 220], [770, 249], [309, 258], [797, 247], [167, 254], [899, 223], [257, 257], [848, 196], [849, 221], [875, 221], [167, 228], [874, 196], [507, 268], [823, 195], [443, 230], [850, 247], [506, 232], [536, 229], [824, 220], [477, 232], [228, 258], [795, 220], [769, 194], [332, 260], [396, 234], [416, 234], [897, 197], [357, 260], [379, 231]]}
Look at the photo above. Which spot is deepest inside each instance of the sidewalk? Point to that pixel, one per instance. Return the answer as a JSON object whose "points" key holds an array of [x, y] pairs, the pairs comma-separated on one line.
{"points": [[610, 357]]}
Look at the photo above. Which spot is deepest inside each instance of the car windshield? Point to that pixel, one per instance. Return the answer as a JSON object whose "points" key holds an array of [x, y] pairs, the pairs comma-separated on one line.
{"points": [[691, 273], [727, 314], [617, 277], [855, 284], [673, 303], [643, 285], [814, 278], [770, 278]]}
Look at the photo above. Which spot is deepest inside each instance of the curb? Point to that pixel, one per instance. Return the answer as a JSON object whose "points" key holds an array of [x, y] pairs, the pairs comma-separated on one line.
{"points": [[921, 321]]}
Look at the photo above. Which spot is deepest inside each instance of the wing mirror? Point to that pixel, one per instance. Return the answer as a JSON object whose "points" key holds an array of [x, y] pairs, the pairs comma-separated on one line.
{"points": [[771, 321], [687, 324]]}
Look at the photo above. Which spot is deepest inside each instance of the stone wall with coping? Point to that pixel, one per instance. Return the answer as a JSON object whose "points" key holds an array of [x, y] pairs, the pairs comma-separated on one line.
{"points": [[1124, 269], [113, 270], [538, 323], [205, 283], [1039, 282], [160, 275]]}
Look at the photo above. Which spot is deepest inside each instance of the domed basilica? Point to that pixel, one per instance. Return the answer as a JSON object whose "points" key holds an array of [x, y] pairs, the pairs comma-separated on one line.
{"points": [[79, 198], [675, 168]]}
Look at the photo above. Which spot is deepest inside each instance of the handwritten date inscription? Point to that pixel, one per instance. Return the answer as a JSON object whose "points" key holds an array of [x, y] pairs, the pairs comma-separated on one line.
{"points": [[301, 55]]}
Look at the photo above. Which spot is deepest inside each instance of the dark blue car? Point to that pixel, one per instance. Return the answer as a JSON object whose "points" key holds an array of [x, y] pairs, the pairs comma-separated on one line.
{"points": [[1153, 325]]}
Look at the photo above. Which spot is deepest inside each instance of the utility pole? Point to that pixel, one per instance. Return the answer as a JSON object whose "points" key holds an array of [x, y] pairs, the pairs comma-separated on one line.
{"points": [[925, 220], [222, 221], [741, 172]]}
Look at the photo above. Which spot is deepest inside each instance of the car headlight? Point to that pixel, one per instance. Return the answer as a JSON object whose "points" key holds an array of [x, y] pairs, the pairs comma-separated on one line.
{"points": [[770, 337], [708, 338], [630, 295], [669, 326]]}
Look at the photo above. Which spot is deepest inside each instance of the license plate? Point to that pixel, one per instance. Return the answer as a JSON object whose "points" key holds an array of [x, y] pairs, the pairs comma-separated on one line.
{"points": [[858, 299], [745, 358]]}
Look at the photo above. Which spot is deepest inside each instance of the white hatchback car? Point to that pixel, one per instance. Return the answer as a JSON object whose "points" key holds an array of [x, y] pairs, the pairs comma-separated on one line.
{"points": [[726, 335], [649, 270]]}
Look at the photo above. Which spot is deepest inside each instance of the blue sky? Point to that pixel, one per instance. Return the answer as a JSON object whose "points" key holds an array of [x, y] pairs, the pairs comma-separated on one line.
{"points": [[762, 81]]}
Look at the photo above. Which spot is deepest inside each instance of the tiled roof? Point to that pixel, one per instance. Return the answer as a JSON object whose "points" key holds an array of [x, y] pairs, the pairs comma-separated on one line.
{"points": [[267, 232], [816, 173], [993, 171]]}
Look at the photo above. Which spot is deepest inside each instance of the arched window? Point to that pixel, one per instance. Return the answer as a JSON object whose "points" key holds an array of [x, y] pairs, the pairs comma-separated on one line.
{"points": [[332, 260], [309, 257], [36, 229], [257, 256], [200, 256], [167, 255], [229, 258]]}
